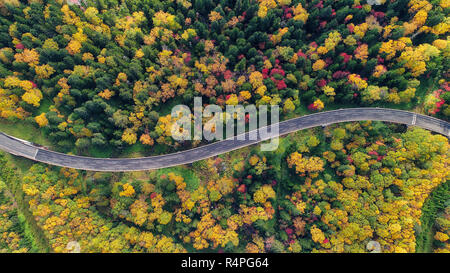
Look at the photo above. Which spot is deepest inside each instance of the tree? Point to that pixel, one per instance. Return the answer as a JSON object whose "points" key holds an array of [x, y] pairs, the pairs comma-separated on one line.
{"points": [[288, 106], [31, 57], [129, 136], [318, 65], [128, 190]]}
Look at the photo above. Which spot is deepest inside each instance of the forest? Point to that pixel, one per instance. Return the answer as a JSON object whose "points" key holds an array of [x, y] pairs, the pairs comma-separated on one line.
{"points": [[99, 78]]}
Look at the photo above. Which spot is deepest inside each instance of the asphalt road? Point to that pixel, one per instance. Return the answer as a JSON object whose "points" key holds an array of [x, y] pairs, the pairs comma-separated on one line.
{"points": [[25, 149]]}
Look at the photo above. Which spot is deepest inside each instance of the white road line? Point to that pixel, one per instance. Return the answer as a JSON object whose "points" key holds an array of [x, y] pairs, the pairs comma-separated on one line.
{"points": [[35, 154], [414, 119]]}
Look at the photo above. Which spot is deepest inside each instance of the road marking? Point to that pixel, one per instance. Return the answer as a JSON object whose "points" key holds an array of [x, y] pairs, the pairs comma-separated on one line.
{"points": [[414, 119], [35, 154]]}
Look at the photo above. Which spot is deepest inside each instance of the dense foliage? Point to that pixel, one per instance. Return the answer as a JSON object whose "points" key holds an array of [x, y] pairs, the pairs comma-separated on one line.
{"points": [[105, 73], [381, 185]]}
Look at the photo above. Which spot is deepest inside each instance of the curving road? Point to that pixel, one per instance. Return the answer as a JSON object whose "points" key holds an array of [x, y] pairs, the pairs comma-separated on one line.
{"points": [[28, 150]]}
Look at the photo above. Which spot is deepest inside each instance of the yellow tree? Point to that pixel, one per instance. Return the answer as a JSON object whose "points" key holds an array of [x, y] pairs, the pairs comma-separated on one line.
{"points": [[44, 71], [256, 79], [31, 57], [318, 65], [303, 165], [128, 190], [300, 13], [263, 193], [362, 52], [129, 136], [73, 47]]}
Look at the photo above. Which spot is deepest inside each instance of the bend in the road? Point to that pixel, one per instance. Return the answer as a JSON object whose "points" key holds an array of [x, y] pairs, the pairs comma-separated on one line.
{"points": [[25, 149]]}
